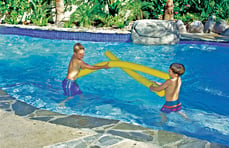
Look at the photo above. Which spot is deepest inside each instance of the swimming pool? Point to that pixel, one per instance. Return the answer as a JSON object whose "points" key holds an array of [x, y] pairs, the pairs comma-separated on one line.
{"points": [[32, 70]]}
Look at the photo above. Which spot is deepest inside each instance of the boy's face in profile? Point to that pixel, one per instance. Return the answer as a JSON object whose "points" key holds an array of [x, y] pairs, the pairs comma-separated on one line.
{"points": [[171, 73], [80, 54]]}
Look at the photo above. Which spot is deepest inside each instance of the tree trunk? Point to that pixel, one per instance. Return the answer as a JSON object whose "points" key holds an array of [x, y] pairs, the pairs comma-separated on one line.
{"points": [[168, 10], [59, 10]]}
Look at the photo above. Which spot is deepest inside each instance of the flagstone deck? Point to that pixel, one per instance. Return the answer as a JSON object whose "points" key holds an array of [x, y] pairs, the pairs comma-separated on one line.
{"points": [[24, 126]]}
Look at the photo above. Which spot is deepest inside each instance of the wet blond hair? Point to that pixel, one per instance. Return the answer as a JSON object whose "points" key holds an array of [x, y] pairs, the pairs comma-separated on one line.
{"points": [[177, 68], [77, 47]]}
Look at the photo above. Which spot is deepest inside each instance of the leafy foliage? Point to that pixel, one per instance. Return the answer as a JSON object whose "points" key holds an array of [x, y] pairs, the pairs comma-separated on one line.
{"points": [[40, 12], [189, 10], [114, 13], [14, 10], [84, 14]]}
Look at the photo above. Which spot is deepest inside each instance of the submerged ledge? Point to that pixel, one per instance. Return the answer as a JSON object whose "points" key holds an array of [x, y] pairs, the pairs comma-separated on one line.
{"points": [[96, 132]]}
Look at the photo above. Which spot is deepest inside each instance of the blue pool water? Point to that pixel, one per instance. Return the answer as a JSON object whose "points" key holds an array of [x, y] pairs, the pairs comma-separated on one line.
{"points": [[32, 69]]}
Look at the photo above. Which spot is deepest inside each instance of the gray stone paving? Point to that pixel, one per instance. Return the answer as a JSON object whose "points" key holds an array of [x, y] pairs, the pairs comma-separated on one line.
{"points": [[107, 133]]}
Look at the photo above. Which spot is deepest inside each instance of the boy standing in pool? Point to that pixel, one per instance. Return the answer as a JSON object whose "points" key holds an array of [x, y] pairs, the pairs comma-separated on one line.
{"points": [[172, 89], [76, 63]]}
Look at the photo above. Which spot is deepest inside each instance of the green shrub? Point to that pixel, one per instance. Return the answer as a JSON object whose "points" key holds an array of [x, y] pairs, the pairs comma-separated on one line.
{"points": [[40, 12], [84, 14], [14, 10], [119, 13], [188, 10]]}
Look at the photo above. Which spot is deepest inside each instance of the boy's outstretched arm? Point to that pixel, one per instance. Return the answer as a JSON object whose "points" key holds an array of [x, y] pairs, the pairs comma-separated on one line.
{"points": [[158, 83], [87, 66], [160, 87]]}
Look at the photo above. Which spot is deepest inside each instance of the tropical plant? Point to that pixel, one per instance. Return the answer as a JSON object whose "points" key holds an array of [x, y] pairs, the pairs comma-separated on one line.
{"points": [[188, 10], [221, 9], [3, 8], [14, 10], [68, 24], [125, 12], [114, 7], [156, 8], [116, 13], [138, 9], [115, 21], [84, 14], [41, 12]]}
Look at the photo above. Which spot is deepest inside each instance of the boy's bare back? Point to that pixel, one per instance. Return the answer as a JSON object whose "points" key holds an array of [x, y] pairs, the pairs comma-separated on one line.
{"points": [[173, 89]]}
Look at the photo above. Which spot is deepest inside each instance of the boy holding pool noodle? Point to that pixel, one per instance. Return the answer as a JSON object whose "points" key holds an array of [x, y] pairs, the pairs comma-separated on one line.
{"points": [[172, 89], [69, 84]]}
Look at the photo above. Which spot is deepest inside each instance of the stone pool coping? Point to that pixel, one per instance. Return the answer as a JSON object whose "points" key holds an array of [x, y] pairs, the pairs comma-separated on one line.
{"points": [[101, 34], [52, 32], [23, 125], [84, 131]]}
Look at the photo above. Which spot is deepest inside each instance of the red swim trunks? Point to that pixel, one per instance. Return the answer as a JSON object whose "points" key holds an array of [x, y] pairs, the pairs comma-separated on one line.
{"points": [[171, 106]]}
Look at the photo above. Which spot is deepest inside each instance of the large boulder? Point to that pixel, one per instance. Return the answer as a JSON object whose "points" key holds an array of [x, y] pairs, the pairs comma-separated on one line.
{"points": [[181, 27], [196, 27], [155, 32], [208, 26], [226, 32], [220, 26]]}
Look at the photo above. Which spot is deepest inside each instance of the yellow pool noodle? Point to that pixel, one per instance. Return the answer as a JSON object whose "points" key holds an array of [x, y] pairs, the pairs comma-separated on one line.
{"points": [[139, 77], [127, 65]]}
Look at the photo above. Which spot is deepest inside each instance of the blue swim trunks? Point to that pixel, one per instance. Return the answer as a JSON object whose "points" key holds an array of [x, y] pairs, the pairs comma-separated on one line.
{"points": [[70, 87], [171, 106]]}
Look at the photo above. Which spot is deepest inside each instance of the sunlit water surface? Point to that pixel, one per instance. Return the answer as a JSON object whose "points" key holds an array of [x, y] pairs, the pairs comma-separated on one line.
{"points": [[32, 70]]}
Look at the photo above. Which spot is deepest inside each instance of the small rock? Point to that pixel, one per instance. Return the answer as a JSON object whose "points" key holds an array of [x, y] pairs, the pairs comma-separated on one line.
{"points": [[196, 27]]}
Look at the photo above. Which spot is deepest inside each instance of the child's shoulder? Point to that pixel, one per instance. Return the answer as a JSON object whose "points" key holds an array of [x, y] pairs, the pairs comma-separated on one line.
{"points": [[77, 61], [169, 80]]}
